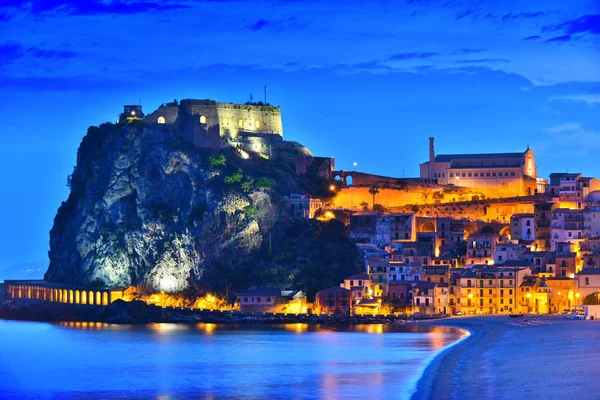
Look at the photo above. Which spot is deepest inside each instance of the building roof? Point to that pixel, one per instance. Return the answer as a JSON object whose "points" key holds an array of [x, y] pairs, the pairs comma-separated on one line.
{"points": [[589, 271], [564, 174], [334, 289], [262, 292], [528, 215], [482, 156], [368, 303], [358, 277], [425, 285]]}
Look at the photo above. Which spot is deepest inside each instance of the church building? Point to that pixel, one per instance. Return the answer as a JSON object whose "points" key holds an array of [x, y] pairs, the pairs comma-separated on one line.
{"points": [[508, 174]]}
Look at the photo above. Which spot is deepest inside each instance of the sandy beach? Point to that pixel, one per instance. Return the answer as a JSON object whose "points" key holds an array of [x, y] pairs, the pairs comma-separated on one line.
{"points": [[546, 357]]}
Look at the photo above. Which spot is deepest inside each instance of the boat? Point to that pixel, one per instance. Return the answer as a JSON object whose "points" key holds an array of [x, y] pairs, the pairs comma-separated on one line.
{"points": [[515, 315]]}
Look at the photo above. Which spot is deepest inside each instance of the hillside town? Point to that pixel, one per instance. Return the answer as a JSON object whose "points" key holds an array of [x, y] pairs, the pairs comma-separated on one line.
{"points": [[539, 254]]}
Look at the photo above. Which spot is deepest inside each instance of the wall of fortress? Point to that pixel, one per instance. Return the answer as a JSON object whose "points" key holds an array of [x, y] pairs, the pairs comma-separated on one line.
{"points": [[423, 202]]}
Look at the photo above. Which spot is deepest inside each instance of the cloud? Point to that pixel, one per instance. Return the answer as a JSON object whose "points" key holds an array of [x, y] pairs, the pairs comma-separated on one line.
{"points": [[535, 37], [563, 38], [411, 56], [461, 16], [467, 51], [585, 24], [277, 25], [54, 54], [572, 138], [593, 98], [484, 60], [261, 23], [11, 51], [525, 15], [93, 7]]}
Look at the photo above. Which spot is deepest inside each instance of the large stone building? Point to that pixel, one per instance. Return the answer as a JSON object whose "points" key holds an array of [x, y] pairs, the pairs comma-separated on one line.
{"points": [[251, 128], [510, 174]]}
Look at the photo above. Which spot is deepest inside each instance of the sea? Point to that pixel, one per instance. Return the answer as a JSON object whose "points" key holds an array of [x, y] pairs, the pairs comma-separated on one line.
{"points": [[89, 360]]}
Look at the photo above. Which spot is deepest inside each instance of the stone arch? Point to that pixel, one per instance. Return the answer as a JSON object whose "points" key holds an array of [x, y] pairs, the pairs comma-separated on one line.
{"points": [[505, 231], [83, 297], [104, 299], [65, 296], [98, 298], [91, 298], [427, 226], [77, 297], [161, 120], [349, 180], [71, 297], [487, 229], [203, 119], [28, 292]]}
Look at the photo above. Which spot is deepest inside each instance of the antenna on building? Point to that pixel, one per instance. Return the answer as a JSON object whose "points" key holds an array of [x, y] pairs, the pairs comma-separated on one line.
{"points": [[265, 94]]}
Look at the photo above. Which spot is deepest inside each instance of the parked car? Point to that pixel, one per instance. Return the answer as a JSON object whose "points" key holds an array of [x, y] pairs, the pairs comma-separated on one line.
{"points": [[458, 314]]}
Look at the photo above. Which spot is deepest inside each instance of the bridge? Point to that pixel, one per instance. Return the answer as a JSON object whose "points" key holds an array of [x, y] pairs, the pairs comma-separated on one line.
{"points": [[52, 292]]}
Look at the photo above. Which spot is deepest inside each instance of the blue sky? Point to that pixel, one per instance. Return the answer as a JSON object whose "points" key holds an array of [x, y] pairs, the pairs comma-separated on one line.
{"points": [[357, 80]]}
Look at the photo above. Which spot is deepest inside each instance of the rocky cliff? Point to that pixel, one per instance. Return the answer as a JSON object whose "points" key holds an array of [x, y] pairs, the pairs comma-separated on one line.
{"points": [[148, 208]]}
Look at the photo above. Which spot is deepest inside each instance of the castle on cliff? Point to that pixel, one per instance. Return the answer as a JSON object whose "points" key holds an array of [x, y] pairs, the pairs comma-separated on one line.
{"points": [[251, 128]]}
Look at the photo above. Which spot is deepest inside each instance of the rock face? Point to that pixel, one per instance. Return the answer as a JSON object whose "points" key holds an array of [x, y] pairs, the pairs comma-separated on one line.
{"points": [[147, 208]]}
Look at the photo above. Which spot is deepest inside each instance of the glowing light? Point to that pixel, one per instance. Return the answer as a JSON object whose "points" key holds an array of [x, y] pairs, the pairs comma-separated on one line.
{"points": [[332, 188], [528, 295], [161, 120], [133, 113], [572, 276]]}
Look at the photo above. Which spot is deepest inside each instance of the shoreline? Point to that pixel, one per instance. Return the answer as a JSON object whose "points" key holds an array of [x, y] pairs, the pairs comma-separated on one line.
{"points": [[503, 358]]}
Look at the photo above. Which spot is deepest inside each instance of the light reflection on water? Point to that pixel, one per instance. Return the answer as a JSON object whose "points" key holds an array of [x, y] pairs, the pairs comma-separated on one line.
{"points": [[97, 360]]}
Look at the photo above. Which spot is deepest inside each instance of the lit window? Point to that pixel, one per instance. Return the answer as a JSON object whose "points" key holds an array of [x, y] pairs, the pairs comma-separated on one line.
{"points": [[241, 122], [203, 119], [258, 124], [161, 120]]}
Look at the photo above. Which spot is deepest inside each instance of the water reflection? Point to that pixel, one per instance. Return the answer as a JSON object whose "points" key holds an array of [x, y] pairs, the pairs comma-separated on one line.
{"points": [[213, 360]]}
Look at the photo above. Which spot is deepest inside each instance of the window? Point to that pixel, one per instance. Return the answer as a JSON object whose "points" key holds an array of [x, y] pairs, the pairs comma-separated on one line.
{"points": [[258, 124], [490, 285], [470, 174], [490, 291], [506, 174], [463, 174], [493, 174], [475, 174], [487, 174], [241, 123], [245, 299], [161, 120], [268, 299], [202, 119], [451, 174], [512, 174], [587, 281]]}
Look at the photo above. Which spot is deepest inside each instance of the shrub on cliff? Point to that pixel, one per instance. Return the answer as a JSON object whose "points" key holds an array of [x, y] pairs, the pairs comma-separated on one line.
{"points": [[234, 178]]}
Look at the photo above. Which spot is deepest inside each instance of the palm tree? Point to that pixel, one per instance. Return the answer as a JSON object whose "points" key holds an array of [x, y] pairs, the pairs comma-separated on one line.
{"points": [[374, 190]]}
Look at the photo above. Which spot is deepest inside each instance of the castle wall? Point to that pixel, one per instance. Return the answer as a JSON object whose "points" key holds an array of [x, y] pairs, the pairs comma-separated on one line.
{"points": [[234, 119], [169, 112]]}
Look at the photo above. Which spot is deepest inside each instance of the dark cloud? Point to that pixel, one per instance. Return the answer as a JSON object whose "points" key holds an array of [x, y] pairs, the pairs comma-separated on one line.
{"points": [[563, 38], [535, 37], [468, 51], [410, 56], [510, 16], [461, 16], [484, 61], [92, 7], [54, 54], [278, 25], [11, 51], [585, 24], [261, 23]]}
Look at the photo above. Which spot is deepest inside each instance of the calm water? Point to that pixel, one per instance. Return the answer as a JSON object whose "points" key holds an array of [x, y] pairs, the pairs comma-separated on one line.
{"points": [[295, 361]]}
